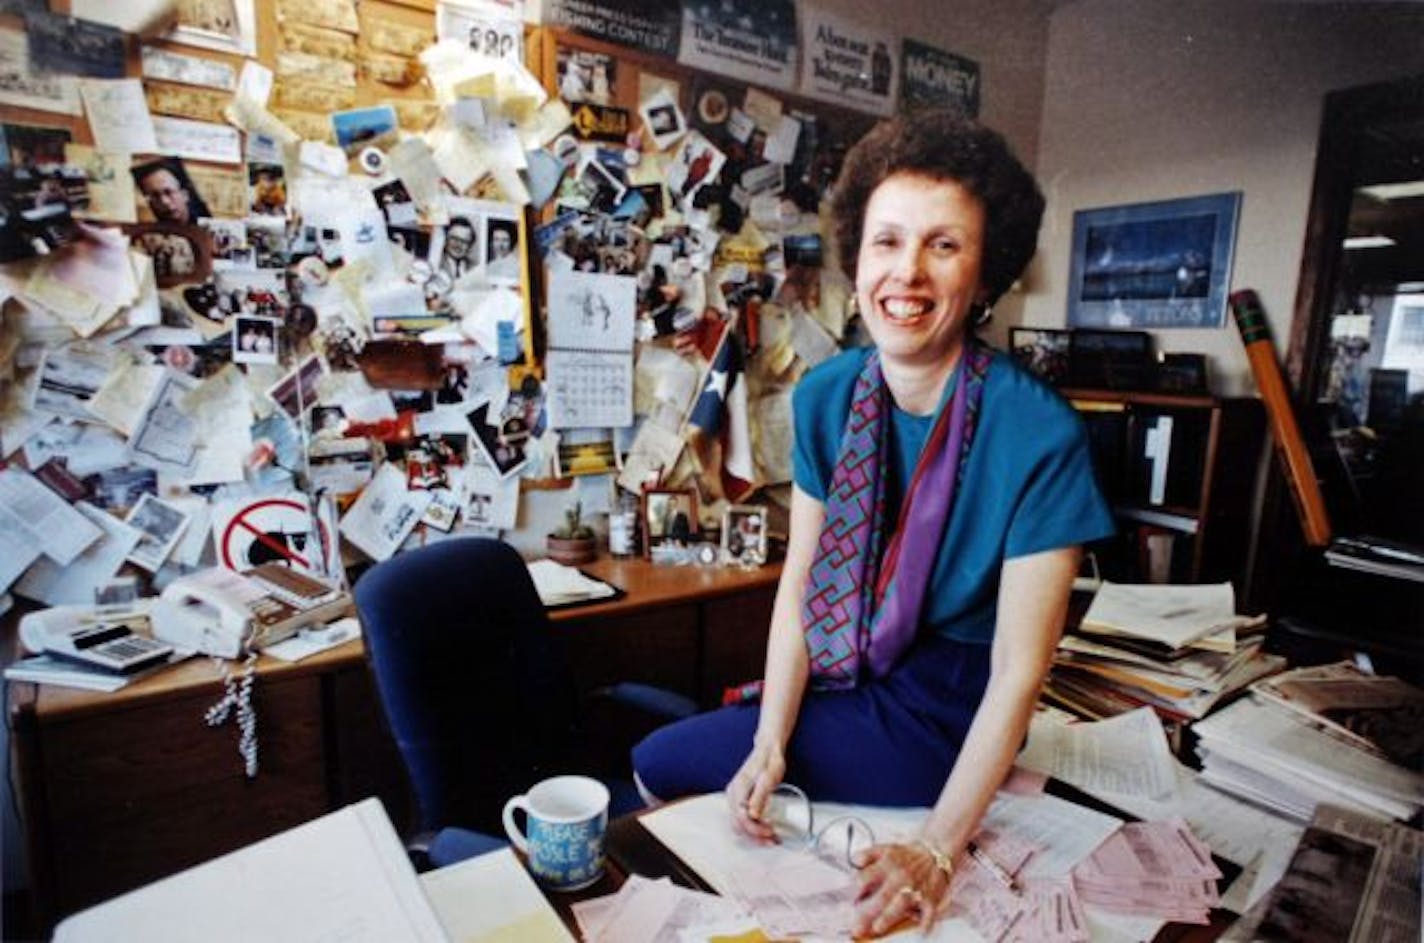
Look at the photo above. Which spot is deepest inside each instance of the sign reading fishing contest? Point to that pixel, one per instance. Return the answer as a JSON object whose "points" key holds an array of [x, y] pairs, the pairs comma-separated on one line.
{"points": [[847, 63], [650, 25], [751, 40], [933, 78]]}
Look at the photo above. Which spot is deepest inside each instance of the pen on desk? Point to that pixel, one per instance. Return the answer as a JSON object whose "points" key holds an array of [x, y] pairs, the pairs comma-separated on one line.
{"points": [[993, 867]]}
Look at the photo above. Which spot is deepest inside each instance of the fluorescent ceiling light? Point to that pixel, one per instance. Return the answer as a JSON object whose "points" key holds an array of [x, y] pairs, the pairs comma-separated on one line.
{"points": [[1368, 242], [1395, 191]]}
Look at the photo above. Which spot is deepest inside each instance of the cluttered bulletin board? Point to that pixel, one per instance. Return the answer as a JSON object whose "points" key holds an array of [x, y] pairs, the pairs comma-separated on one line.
{"points": [[523, 284]]}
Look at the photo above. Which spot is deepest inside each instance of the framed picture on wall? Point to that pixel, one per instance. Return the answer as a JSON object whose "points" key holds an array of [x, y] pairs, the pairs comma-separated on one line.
{"points": [[1153, 265]]}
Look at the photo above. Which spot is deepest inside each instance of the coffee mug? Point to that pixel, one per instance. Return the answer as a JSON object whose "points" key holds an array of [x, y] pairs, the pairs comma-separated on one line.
{"points": [[566, 818]]}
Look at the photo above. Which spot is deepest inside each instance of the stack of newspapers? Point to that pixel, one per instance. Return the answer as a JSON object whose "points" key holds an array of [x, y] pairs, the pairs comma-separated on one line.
{"points": [[1181, 650], [1329, 734]]}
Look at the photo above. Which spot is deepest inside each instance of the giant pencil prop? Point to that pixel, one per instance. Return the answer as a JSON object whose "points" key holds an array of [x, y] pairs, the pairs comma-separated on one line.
{"points": [[1300, 472]]}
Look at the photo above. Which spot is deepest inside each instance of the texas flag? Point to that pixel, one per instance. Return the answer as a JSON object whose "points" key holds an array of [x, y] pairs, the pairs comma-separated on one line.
{"points": [[720, 411]]}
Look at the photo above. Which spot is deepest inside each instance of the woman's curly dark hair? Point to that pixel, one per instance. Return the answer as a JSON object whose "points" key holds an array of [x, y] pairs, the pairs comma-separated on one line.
{"points": [[944, 145]]}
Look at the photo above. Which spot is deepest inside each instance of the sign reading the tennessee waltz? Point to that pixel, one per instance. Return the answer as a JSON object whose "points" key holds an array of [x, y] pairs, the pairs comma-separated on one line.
{"points": [[650, 25], [742, 39], [933, 78], [849, 64]]}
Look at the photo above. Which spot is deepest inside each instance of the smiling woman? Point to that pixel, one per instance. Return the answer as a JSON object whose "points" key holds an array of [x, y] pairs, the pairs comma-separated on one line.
{"points": [[904, 671]]}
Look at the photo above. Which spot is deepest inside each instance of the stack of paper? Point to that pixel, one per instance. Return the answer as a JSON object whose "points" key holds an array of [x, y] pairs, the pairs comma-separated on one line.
{"points": [[1381, 714], [1271, 755], [1170, 616], [646, 910], [558, 584], [1181, 650], [1101, 677], [1155, 869]]}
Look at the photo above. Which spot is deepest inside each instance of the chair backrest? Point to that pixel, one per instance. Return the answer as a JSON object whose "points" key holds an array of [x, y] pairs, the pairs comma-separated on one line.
{"points": [[475, 691]]}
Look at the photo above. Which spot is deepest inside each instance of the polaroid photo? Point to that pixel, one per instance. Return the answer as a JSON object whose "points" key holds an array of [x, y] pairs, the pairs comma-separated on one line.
{"points": [[696, 163], [254, 340], [296, 392], [602, 190], [361, 128], [267, 189], [663, 119], [502, 248], [161, 524], [257, 292]]}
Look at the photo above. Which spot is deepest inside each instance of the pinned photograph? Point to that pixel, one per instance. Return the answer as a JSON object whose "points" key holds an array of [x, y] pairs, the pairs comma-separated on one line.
{"points": [[168, 192], [696, 164], [161, 524], [365, 127], [502, 249], [267, 187], [267, 238], [31, 147], [395, 201], [296, 392], [585, 76], [602, 190], [502, 440], [181, 254], [663, 119], [254, 340], [227, 244]]}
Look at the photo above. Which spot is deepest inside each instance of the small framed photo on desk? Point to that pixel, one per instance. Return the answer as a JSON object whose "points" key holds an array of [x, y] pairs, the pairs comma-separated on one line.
{"points": [[669, 518], [744, 535]]}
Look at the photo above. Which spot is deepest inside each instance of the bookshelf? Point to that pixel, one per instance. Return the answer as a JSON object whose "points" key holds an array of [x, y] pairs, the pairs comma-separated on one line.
{"points": [[1180, 473]]}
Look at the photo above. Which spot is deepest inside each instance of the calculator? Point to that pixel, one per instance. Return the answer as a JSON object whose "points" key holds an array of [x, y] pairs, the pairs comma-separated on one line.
{"points": [[110, 647]]}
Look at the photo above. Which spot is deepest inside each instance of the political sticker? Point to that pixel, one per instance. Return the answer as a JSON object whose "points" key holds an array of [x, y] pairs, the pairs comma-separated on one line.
{"points": [[932, 78]]}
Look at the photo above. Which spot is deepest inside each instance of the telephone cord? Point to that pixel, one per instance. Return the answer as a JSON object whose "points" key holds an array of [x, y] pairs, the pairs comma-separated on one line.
{"points": [[238, 693]]}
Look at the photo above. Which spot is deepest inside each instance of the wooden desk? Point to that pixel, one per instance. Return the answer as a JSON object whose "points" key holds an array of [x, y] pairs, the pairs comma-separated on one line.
{"points": [[117, 790]]}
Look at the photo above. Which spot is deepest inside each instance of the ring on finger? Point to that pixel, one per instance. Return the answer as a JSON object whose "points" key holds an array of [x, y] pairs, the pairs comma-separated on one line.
{"points": [[917, 900]]}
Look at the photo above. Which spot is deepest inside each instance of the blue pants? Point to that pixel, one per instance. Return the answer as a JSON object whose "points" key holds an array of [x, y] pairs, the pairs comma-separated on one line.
{"points": [[891, 741]]}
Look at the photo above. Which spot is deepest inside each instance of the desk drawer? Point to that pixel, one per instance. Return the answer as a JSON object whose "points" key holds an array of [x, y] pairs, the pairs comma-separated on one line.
{"points": [[736, 630], [656, 647], [139, 794]]}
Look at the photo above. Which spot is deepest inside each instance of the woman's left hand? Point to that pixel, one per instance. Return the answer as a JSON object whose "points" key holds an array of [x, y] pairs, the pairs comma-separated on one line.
{"points": [[898, 882]]}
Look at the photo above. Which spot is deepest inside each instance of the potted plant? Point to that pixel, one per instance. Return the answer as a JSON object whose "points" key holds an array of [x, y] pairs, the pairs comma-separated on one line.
{"points": [[574, 542]]}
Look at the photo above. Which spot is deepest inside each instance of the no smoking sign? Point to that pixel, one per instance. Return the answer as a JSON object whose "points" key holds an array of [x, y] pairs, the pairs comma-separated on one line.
{"points": [[263, 530]]}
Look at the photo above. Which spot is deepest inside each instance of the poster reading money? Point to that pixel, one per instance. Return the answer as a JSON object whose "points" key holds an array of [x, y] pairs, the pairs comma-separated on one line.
{"points": [[848, 63], [933, 78], [650, 25], [743, 39]]}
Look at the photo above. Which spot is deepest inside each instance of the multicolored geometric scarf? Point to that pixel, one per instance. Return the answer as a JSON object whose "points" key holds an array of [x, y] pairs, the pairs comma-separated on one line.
{"points": [[863, 596]]}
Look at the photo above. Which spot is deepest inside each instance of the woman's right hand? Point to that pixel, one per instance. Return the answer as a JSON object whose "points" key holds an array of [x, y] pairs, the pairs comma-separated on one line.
{"points": [[750, 790]]}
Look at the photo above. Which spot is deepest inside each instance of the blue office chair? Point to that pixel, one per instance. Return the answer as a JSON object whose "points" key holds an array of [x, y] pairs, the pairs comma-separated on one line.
{"points": [[475, 689]]}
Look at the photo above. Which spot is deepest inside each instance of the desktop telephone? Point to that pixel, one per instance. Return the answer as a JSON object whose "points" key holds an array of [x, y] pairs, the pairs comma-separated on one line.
{"points": [[224, 613]]}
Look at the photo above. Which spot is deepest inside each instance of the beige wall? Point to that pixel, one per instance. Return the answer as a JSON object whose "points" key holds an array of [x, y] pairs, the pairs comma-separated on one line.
{"points": [[1155, 100]]}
